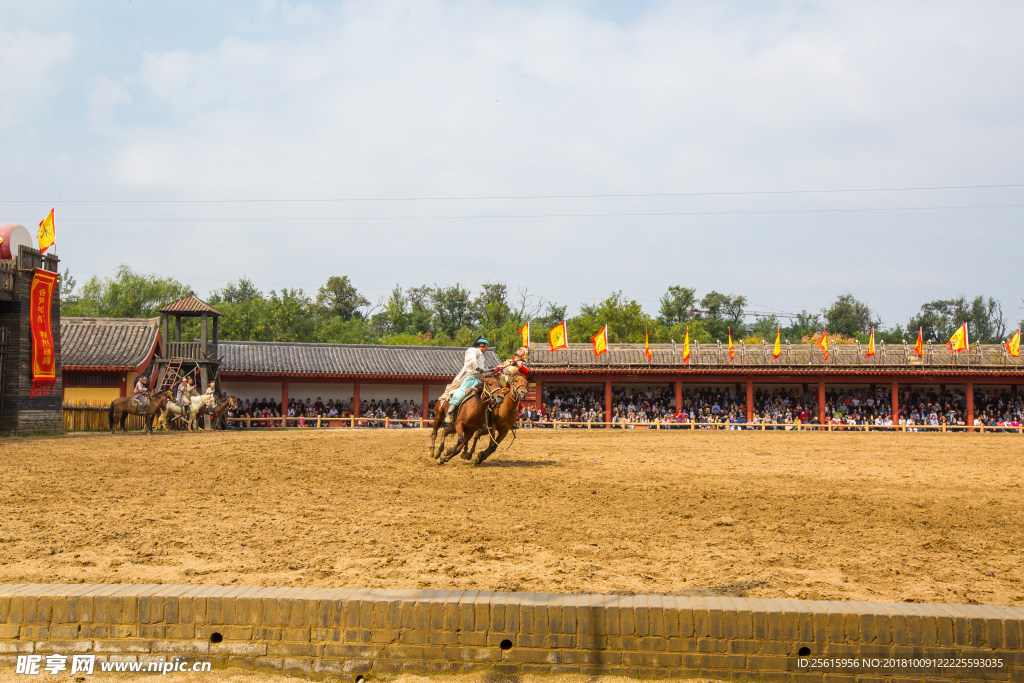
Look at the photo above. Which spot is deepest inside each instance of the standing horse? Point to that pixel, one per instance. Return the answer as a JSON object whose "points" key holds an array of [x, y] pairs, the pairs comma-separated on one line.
{"points": [[216, 412], [501, 420], [121, 408], [173, 409]]}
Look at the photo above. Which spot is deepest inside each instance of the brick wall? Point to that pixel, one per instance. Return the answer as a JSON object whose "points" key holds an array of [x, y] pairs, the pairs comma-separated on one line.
{"points": [[348, 633]]}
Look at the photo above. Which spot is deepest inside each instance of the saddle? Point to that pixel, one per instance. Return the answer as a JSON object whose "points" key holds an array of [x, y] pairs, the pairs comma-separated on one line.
{"points": [[138, 406]]}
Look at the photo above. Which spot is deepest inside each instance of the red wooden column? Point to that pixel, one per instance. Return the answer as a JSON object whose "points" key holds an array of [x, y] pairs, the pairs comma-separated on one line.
{"points": [[284, 398], [124, 385], [426, 400], [970, 406], [608, 402], [355, 399], [821, 402], [895, 403], [750, 400], [679, 395]]}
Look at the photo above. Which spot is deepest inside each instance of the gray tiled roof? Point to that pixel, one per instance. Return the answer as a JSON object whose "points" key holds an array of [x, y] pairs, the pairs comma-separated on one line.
{"points": [[122, 343], [294, 358], [190, 305]]}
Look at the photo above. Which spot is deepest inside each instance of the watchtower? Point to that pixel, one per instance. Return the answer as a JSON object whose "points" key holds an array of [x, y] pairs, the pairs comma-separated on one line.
{"points": [[180, 359], [20, 411]]}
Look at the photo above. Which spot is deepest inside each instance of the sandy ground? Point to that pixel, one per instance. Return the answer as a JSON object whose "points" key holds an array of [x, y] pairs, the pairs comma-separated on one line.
{"points": [[887, 517]]}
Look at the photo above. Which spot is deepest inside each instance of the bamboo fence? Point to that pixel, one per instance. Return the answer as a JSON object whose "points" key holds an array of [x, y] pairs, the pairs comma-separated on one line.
{"points": [[92, 415]]}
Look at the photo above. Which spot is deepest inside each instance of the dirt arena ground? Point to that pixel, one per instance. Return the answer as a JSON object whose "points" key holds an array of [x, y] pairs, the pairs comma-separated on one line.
{"points": [[888, 517]]}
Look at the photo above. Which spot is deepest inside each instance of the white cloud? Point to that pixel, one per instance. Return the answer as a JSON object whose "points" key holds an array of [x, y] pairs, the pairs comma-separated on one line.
{"points": [[28, 71]]}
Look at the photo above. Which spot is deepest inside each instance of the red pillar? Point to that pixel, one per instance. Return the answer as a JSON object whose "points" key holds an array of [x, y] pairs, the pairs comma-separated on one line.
{"points": [[284, 398], [750, 400], [970, 406], [895, 403], [124, 385], [821, 402], [426, 401], [608, 402], [355, 399], [679, 395]]}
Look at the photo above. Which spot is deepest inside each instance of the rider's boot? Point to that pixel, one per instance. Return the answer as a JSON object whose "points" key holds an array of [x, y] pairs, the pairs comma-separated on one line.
{"points": [[449, 415]]}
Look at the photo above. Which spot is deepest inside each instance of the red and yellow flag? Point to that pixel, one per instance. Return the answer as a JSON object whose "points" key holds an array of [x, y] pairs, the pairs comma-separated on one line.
{"points": [[959, 342], [525, 332], [686, 347], [871, 345], [1013, 344], [732, 353], [919, 346], [47, 234], [559, 337], [647, 346], [44, 361], [777, 351], [823, 342], [600, 341]]}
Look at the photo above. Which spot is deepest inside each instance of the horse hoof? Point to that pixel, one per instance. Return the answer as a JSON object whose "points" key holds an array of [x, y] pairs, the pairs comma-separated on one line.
{"points": [[465, 456], [476, 461], [440, 461]]}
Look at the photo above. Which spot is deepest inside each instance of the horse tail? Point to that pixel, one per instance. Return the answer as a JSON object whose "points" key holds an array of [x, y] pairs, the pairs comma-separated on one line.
{"points": [[110, 415]]}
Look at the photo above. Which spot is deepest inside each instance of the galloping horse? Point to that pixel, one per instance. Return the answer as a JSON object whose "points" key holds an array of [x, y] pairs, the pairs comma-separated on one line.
{"points": [[121, 408], [501, 420], [469, 421]]}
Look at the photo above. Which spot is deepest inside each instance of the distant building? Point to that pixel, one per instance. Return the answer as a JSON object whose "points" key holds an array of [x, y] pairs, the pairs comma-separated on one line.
{"points": [[103, 356]]}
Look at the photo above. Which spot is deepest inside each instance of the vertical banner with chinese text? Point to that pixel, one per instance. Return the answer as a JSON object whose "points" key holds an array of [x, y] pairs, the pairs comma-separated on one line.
{"points": [[44, 359]]}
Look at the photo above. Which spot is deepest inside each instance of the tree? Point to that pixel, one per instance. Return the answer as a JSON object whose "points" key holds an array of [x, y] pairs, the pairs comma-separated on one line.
{"points": [[68, 298], [848, 316], [340, 298], [126, 295], [939, 319], [766, 327], [625, 319], [803, 325], [676, 305], [453, 309], [491, 306], [421, 312], [724, 312]]}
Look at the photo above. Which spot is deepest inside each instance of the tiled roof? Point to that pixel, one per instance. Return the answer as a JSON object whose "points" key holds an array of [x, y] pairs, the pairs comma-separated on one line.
{"points": [[108, 343], [292, 358], [191, 304]]}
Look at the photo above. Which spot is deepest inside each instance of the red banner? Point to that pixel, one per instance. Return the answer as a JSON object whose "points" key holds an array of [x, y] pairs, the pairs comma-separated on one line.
{"points": [[44, 359]]}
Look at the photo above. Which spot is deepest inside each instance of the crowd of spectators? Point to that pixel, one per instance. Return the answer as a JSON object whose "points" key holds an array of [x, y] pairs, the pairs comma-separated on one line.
{"points": [[266, 413], [718, 408]]}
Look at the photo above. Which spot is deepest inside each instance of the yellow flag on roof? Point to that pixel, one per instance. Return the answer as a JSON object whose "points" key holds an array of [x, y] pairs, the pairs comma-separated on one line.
{"points": [[1013, 344], [558, 337], [959, 342], [777, 351], [600, 341], [47, 233], [686, 346]]}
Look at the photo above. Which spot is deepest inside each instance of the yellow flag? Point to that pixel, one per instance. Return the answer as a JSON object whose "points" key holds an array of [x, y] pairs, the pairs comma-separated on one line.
{"points": [[525, 332], [600, 341], [46, 233], [823, 343], [871, 345], [732, 353], [958, 342], [558, 337], [686, 346], [777, 351], [1013, 344]]}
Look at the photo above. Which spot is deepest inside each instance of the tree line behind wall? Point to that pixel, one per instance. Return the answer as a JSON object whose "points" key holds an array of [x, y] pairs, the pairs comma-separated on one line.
{"points": [[454, 316]]}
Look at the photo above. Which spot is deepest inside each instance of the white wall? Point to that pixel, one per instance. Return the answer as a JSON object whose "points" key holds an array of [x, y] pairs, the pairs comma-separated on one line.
{"points": [[252, 390], [300, 391], [404, 392]]}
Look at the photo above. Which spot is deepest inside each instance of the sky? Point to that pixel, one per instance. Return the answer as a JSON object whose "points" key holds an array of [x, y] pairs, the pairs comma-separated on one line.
{"points": [[775, 150]]}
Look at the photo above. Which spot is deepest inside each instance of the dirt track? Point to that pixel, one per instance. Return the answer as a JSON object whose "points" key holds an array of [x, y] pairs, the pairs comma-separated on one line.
{"points": [[828, 516]]}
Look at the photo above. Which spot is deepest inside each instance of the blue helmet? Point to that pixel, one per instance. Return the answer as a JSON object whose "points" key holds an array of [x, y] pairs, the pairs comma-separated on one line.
{"points": [[480, 341]]}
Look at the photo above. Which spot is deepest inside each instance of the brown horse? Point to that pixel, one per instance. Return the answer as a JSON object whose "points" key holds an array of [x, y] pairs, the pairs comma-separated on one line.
{"points": [[217, 413], [121, 408], [468, 421], [500, 421]]}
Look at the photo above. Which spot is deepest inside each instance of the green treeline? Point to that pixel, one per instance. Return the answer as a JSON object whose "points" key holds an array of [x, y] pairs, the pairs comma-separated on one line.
{"points": [[454, 316]]}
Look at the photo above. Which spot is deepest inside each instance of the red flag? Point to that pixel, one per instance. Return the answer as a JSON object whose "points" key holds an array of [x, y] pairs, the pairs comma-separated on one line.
{"points": [[919, 346], [600, 341], [823, 342], [732, 353], [647, 346]]}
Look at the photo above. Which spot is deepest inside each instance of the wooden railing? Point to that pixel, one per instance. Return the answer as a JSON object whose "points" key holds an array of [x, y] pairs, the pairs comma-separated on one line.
{"points": [[92, 416], [30, 259], [6, 276], [190, 350]]}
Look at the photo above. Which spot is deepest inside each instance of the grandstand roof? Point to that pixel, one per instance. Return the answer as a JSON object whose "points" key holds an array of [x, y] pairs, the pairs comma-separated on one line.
{"points": [[363, 360], [108, 343]]}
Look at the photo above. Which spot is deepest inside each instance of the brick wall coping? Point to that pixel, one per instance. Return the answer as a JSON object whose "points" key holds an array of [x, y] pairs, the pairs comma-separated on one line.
{"points": [[345, 632]]}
